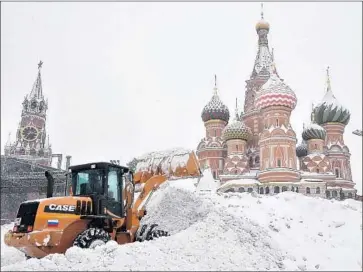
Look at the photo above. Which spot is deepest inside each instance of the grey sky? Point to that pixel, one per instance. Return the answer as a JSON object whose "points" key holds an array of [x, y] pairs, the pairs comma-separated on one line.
{"points": [[127, 78]]}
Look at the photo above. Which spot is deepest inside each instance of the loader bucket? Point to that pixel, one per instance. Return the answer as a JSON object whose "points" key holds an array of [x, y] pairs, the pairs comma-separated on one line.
{"points": [[176, 163]]}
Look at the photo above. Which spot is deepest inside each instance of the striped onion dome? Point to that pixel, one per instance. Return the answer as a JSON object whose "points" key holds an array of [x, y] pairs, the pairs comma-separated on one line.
{"points": [[313, 131], [275, 93], [236, 130], [215, 109], [302, 149], [330, 110]]}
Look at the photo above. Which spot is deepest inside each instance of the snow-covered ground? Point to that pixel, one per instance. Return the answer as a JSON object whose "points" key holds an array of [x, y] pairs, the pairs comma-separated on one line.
{"points": [[234, 231]]}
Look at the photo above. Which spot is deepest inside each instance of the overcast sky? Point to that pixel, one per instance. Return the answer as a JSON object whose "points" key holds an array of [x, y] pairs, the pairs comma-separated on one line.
{"points": [[123, 79]]}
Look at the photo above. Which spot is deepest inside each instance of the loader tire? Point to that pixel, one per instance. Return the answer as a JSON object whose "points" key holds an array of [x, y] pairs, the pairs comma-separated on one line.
{"points": [[92, 237], [148, 233]]}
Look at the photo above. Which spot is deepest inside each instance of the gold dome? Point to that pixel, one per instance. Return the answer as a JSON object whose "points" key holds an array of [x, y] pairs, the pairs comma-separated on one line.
{"points": [[262, 24]]}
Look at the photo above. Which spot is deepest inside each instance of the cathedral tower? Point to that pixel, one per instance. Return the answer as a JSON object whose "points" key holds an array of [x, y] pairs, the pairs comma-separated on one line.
{"points": [[236, 135], [212, 150], [333, 117], [32, 142], [260, 74], [315, 159], [277, 142]]}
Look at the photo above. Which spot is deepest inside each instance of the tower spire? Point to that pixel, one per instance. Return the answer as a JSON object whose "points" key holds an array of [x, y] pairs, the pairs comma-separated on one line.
{"points": [[236, 110], [215, 85], [263, 57], [37, 90], [328, 86]]}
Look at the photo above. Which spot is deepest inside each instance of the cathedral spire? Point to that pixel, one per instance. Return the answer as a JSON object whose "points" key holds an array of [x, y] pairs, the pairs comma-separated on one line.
{"points": [[236, 110], [328, 86], [264, 57], [37, 90], [215, 89]]}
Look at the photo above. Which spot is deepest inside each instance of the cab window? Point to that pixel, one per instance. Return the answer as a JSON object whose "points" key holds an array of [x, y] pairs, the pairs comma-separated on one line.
{"points": [[114, 187]]}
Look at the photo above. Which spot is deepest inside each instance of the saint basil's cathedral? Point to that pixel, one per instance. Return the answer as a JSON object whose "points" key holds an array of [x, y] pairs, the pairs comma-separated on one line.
{"points": [[258, 151]]}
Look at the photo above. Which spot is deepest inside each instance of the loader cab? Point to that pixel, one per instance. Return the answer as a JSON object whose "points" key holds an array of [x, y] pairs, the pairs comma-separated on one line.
{"points": [[106, 184]]}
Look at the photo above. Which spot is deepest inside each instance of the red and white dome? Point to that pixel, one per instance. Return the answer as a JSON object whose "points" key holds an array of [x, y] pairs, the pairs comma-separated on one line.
{"points": [[275, 93]]}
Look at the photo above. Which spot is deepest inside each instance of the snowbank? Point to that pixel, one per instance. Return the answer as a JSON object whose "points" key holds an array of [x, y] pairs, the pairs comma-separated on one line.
{"points": [[240, 232]]}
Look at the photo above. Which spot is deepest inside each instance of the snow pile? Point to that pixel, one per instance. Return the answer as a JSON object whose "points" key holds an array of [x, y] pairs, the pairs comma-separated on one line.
{"points": [[314, 233], [234, 231]]}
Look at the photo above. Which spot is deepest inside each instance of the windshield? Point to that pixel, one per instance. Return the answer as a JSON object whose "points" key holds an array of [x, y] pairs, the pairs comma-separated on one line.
{"points": [[88, 181]]}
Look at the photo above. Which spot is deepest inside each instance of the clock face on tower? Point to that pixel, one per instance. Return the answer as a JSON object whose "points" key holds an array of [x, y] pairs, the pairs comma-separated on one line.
{"points": [[29, 133]]}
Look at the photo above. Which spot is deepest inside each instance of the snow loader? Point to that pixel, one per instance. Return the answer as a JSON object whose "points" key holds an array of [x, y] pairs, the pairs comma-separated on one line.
{"points": [[98, 205]]}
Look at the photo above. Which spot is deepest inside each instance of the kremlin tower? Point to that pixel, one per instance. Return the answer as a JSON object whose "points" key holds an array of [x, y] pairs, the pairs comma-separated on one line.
{"points": [[257, 150], [32, 142]]}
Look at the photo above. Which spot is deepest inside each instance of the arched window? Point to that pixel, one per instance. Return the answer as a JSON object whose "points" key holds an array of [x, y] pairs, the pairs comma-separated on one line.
{"points": [[250, 190], [257, 160], [215, 133], [261, 191], [318, 190], [236, 147], [284, 188], [337, 174], [307, 190], [278, 162], [277, 189], [267, 190], [297, 189], [327, 193], [335, 193], [316, 146], [317, 170], [292, 189], [214, 174], [235, 172], [241, 189], [350, 195], [277, 122]]}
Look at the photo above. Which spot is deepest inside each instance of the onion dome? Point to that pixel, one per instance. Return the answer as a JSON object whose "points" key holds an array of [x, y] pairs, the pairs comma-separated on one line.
{"points": [[330, 110], [262, 24], [313, 131], [275, 93], [302, 149], [215, 109], [236, 130]]}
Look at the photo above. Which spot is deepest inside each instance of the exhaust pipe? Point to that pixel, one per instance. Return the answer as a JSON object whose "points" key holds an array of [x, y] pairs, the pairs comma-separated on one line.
{"points": [[50, 183]]}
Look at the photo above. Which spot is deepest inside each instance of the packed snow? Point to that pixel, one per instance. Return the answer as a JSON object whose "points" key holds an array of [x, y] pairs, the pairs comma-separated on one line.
{"points": [[235, 231]]}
